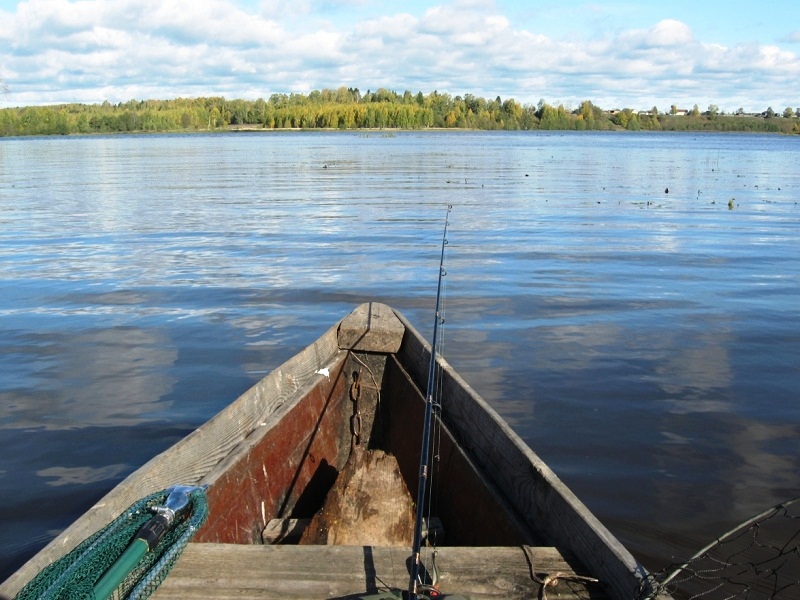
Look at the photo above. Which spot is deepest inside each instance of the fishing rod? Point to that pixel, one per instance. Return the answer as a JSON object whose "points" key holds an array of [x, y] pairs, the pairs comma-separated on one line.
{"points": [[414, 584]]}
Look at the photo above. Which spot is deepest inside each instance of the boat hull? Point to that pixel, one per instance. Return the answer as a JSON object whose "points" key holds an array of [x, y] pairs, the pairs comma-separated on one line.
{"points": [[272, 456]]}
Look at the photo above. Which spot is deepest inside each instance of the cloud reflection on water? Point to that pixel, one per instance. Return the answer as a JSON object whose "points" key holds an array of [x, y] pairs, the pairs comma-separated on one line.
{"points": [[81, 475], [107, 377]]}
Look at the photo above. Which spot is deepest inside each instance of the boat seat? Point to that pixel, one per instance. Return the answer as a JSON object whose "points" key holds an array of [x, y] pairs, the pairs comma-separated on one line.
{"points": [[216, 571]]}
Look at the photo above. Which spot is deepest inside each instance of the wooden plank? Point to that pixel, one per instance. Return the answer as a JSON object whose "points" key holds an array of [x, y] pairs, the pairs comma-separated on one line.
{"points": [[223, 571], [372, 327], [368, 505], [284, 531]]}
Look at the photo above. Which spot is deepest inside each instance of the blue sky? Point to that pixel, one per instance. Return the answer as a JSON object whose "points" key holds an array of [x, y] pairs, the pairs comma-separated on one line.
{"points": [[635, 54]]}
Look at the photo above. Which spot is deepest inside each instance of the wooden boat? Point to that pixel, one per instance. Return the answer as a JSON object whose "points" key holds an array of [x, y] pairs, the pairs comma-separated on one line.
{"points": [[304, 470]]}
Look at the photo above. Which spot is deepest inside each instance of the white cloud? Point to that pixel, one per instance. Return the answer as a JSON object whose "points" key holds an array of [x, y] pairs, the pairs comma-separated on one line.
{"points": [[670, 33], [208, 21], [90, 50]]}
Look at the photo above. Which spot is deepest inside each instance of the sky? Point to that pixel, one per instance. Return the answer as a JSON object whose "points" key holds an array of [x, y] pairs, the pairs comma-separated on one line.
{"points": [[618, 53]]}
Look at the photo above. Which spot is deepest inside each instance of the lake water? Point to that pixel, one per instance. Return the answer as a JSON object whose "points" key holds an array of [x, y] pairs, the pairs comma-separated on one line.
{"points": [[645, 344]]}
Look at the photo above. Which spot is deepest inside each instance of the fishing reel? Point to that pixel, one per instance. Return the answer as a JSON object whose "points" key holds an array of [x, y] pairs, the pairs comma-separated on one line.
{"points": [[429, 592]]}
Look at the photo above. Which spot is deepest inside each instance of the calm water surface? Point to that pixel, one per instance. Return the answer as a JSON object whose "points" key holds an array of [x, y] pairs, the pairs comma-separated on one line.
{"points": [[644, 343]]}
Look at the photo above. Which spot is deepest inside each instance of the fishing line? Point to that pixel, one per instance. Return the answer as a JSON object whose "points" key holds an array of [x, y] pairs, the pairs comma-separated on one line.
{"points": [[415, 584], [434, 481]]}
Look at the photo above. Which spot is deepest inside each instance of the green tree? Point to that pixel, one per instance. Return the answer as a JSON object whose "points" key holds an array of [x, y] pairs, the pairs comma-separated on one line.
{"points": [[788, 112], [586, 111], [695, 111], [651, 121], [473, 104], [627, 119], [513, 111], [440, 104], [214, 118], [384, 95], [554, 118]]}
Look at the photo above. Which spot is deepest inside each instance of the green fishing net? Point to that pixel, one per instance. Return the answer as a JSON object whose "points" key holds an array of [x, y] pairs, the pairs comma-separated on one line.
{"points": [[73, 576]]}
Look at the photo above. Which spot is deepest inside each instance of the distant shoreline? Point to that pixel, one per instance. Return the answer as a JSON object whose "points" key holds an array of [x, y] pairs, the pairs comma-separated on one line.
{"points": [[381, 133], [383, 110]]}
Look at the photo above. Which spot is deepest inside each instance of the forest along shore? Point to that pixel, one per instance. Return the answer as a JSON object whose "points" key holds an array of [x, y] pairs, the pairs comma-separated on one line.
{"points": [[348, 109]]}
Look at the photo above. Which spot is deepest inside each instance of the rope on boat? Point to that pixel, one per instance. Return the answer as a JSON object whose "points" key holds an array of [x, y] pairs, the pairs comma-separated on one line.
{"points": [[552, 580]]}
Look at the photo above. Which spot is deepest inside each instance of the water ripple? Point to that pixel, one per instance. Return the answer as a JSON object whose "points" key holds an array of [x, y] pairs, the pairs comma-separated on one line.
{"points": [[644, 342]]}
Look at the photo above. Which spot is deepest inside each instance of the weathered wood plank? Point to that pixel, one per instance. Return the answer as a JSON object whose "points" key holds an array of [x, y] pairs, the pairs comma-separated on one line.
{"points": [[222, 571], [368, 504], [372, 327], [284, 531]]}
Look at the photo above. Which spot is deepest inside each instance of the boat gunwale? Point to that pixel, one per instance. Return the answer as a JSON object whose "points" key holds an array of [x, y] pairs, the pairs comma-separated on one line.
{"points": [[544, 498]]}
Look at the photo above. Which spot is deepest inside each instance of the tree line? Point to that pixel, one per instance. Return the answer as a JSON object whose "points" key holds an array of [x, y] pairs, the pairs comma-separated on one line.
{"points": [[348, 108]]}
